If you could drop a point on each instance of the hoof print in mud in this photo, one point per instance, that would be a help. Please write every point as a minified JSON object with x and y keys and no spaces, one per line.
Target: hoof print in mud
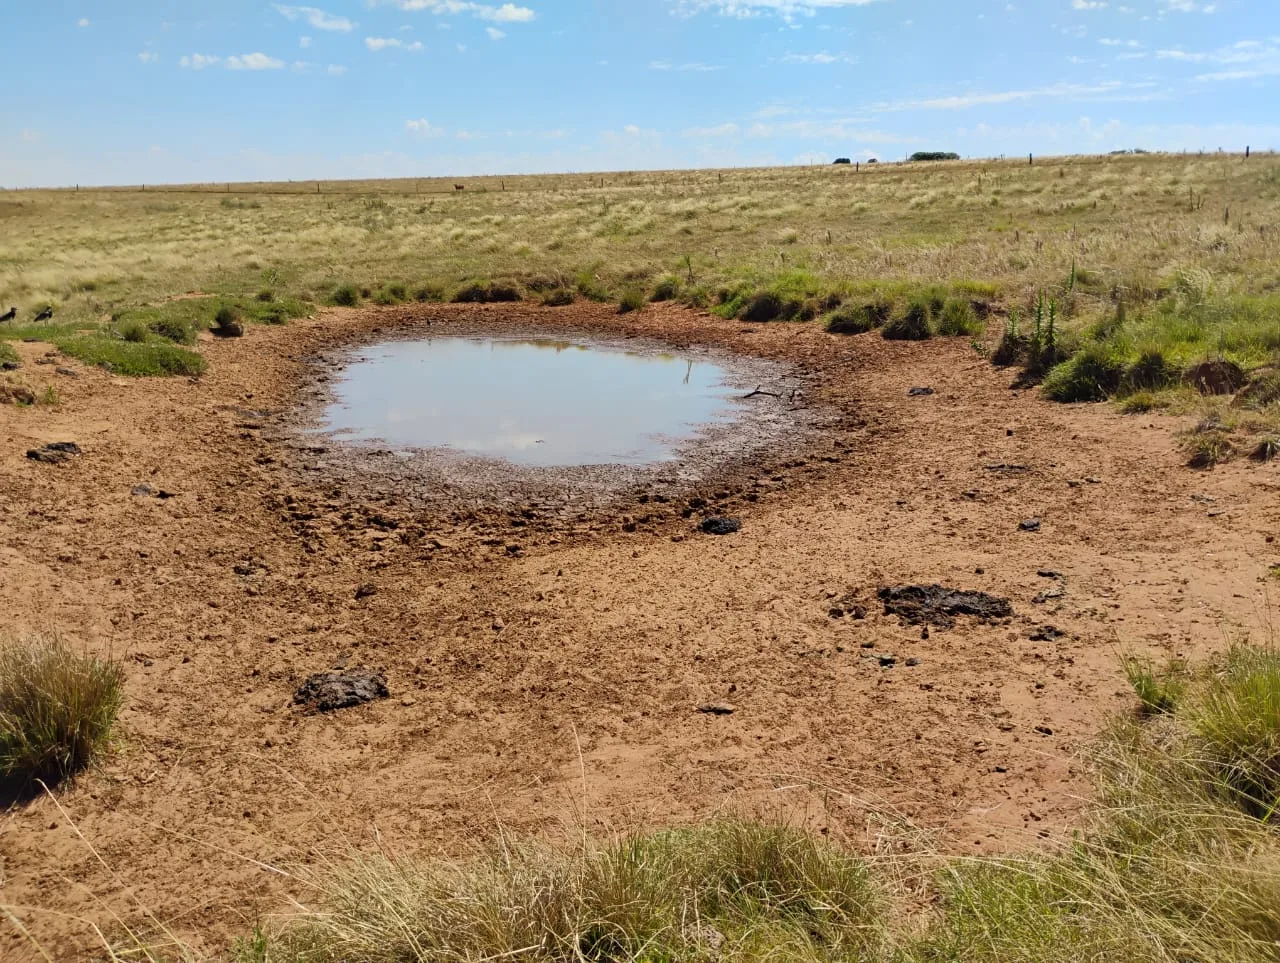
{"x":720,"y":526}
{"x":937,"y":605}
{"x":330,"y":691}
{"x":54,"y":453}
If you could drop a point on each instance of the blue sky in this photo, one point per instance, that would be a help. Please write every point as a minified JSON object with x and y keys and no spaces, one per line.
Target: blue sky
{"x":147,"y":91}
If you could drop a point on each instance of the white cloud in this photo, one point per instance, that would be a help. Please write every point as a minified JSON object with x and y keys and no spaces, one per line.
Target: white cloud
{"x":304,"y":42}
{"x":28,"y":136}
{"x":253,"y":61}
{"x":693,"y":67}
{"x":494,"y":33}
{"x":318,"y":19}
{"x":1109,"y":90}
{"x":148,"y":57}
{"x":199,"y":61}
{"x":335,"y":70}
{"x":82,"y":22}
{"x":507,"y":13}
{"x":723,"y":130}
{"x":384,"y":43}
{"x":1190,"y":6}
{"x":422,"y":128}
{"x":1112,"y":42}
{"x":787,"y":9}
{"x":818,"y":58}
{"x":1087,"y":4}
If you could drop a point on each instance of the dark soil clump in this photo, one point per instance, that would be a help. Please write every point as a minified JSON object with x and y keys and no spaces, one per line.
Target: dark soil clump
{"x":938,"y":605}
{"x":330,"y":691}
{"x":54,"y":453}
{"x":720,"y":526}
{"x":1216,"y":377}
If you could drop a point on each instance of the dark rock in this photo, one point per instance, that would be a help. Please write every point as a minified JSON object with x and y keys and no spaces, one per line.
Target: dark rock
{"x":366,"y":590}
{"x":329,"y":691}
{"x":716,"y":709}
{"x":66,"y":372}
{"x":1030,"y":525}
{"x":231,"y":329}
{"x":54,"y":453}
{"x":720,"y":526}
{"x":1007,"y":469}
{"x":912,"y":663}
{"x":858,"y":613}
{"x":920,"y":392}
{"x":1049,"y":573}
{"x":937,"y":605}
{"x":10,"y":365}
{"x":143,"y":491}
{"x":888,"y":661}
{"x":1044,"y":730}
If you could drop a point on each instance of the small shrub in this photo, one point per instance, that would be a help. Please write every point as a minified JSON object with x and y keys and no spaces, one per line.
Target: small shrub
{"x":1140,"y":403}
{"x":1268,"y":449}
{"x":266,"y":296}
{"x":591,"y":287}
{"x":366,"y":292}
{"x":769,"y":306}
{"x":958,"y":318}
{"x":667,"y":289}
{"x":934,"y":155}
{"x":632,"y":300}
{"x":394,"y":293}
{"x":226,"y":316}
{"x":424,"y":293}
{"x":1207,"y":448}
{"x":1092,"y":375}
{"x":57,"y":707}
{"x":1262,"y":391}
{"x":134,"y":331}
{"x":345,"y":295}
{"x":912,"y":325}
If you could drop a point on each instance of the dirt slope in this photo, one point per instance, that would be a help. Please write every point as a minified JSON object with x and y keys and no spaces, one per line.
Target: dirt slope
{"x":549,"y":670}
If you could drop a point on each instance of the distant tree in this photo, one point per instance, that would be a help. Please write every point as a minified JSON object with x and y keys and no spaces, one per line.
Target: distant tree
{"x":843,"y":160}
{"x":934,"y":155}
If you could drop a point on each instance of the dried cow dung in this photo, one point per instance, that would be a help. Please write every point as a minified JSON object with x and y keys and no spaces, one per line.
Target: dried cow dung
{"x":721,"y":526}
{"x":54,"y":453}
{"x":937,"y":605}
{"x":328,"y":691}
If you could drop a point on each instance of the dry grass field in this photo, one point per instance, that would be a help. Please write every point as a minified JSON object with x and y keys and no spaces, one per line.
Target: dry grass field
{"x":555,"y":776}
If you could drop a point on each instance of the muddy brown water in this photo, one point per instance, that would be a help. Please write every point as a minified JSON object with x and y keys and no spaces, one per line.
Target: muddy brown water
{"x":533,"y":402}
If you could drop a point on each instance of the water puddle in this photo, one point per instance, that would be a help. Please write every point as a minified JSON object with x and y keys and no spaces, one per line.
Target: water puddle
{"x":536,"y":403}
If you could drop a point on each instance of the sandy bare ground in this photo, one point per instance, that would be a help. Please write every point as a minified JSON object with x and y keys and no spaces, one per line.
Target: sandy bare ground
{"x":547,"y":670}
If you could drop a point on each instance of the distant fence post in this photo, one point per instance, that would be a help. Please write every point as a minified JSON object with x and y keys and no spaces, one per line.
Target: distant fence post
{"x":317,"y":187}
{"x":1031,"y":160}
{"x":1246,"y":153}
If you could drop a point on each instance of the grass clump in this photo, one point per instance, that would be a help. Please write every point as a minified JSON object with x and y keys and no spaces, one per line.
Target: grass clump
{"x":345,"y":296}
{"x":1158,"y":692}
{"x":393,"y":293}
{"x":859,"y":319}
{"x":487,"y":293}
{"x":132,"y":358}
{"x":558,"y":298}
{"x":958,"y":318}
{"x":632,"y":300}
{"x":57,"y":707}
{"x":667,"y":289}
{"x":8,"y":355}
{"x":1094,"y":374}
{"x":429,"y":293}
{"x":914,"y":324}
{"x":727,"y":889}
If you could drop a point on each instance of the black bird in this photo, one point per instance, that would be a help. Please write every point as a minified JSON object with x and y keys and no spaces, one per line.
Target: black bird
{"x":45,"y":315}
{"x":9,"y":315}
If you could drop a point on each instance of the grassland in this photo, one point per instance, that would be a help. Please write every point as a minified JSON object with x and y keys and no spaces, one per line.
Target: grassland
{"x":1154,"y":263}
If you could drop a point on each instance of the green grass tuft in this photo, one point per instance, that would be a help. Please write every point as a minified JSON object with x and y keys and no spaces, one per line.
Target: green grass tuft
{"x":958,"y":318}
{"x":914,"y":324}
{"x":1094,"y":374}
{"x":57,"y":707}
{"x":632,"y":300}
{"x":345,"y":295}
{"x":130,"y":358}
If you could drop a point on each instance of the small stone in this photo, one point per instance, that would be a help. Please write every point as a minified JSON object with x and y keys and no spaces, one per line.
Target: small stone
{"x":365,"y":590}
{"x":1002,"y":768}
{"x":888,"y":661}
{"x":1049,"y":573}
{"x":912,"y":663}
{"x":920,"y":392}
{"x":1044,"y":730}
{"x":1030,"y":525}
{"x":142,"y":491}
{"x":66,"y":372}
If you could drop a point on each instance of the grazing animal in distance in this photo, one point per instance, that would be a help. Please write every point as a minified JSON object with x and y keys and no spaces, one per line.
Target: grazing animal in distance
{"x":9,"y":315}
{"x":459,"y":187}
{"x":45,"y":315}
